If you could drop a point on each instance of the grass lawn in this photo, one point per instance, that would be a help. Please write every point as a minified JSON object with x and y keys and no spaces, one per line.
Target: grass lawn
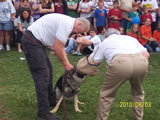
{"x":18,"y":100}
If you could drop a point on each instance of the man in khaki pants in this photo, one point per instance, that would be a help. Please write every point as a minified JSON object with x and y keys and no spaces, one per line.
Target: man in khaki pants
{"x":126,"y":60}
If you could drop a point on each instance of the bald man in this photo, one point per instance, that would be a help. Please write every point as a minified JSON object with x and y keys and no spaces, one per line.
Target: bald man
{"x":50,"y":30}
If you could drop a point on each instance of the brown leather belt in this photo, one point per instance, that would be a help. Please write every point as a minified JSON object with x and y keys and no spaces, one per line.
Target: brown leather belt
{"x":28,"y":35}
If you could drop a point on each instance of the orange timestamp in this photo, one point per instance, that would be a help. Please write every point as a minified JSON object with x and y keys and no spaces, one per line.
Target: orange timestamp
{"x":135,"y":104}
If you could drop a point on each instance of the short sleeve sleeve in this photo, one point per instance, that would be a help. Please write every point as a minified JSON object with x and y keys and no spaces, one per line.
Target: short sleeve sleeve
{"x":96,"y":40}
{"x":19,"y":20}
{"x":31,"y":21}
{"x":97,"y":54}
{"x":90,"y":3}
{"x":11,"y":7}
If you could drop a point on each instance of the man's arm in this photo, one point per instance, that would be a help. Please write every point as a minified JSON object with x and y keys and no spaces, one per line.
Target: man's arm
{"x":61,"y":54}
{"x":84,"y":41}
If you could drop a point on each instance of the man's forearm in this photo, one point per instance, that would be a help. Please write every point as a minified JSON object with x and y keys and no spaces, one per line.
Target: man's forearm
{"x":60,"y":52}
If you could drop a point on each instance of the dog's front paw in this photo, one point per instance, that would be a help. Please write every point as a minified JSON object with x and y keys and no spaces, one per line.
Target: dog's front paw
{"x":82,"y":103}
{"x":78,"y":110}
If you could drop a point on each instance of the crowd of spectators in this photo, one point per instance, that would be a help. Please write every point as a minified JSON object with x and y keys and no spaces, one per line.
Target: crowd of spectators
{"x":137,"y":18}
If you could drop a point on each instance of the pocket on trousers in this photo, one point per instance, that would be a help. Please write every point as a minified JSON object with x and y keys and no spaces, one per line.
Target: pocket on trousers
{"x":32,"y":62}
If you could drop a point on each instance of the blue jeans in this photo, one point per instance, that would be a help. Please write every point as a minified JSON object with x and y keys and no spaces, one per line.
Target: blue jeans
{"x":151,"y":46}
{"x":72,"y":45}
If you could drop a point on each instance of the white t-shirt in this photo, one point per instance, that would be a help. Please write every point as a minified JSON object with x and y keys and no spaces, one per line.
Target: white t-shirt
{"x":25,"y":24}
{"x":151,"y":4}
{"x":85,"y":5}
{"x":95,"y":40}
{"x":116,"y":44}
{"x":52,"y":26}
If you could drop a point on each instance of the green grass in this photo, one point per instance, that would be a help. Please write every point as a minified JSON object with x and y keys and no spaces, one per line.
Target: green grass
{"x":18,"y":100}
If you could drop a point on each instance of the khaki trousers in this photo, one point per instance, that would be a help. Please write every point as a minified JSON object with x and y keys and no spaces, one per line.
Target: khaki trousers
{"x":132,"y":67}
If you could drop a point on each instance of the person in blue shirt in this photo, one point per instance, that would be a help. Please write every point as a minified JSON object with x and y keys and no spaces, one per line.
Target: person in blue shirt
{"x":100,"y":17}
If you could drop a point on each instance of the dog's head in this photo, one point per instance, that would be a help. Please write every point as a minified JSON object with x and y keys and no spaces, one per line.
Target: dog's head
{"x":71,"y":82}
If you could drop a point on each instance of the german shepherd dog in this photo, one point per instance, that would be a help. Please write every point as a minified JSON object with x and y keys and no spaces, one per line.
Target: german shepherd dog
{"x":67,"y":86}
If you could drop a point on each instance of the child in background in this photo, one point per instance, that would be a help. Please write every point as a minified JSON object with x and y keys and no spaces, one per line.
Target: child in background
{"x":24,"y":20}
{"x":87,"y":44}
{"x":61,"y":6}
{"x":72,"y":45}
{"x":145,"y":15}
{"x":100,"y":16}
{"x":156,"y":33}
{"x":35,"y":9}
{"x":84,"y":9}
{"x":121,"y":30}
{"x":114,"y":16}
{"x":146,"y":36}
{"x":133,"y":14}
{"x":91,"y":41}
{"x":134,"y":31}
{"x":46,"y":7}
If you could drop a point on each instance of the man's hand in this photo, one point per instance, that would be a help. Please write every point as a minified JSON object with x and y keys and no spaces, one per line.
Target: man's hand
{"x":61,"y":54}
{"x":68,"y":67}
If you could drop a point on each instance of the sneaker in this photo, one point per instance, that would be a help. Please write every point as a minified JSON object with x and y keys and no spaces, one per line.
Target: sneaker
{"x":75,"y":53}
{"x":1,"y":47}
{"x":79,"y":53}
{"x":48,"y":116}
{"x":8,"y":48}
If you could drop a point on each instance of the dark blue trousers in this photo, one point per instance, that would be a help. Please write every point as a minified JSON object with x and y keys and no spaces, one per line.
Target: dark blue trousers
{"x":41,"y":70}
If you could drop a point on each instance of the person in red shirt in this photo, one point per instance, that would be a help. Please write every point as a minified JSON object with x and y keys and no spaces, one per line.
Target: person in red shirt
{"x":156,"y":33}
{"x":114,"y":16}
{"x":146,"y":36}
{"x":145,"y":15}
{"x":134,"y":31}
{"x":60,"y":6}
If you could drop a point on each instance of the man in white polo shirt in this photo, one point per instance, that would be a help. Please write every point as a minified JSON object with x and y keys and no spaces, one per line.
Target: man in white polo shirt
{"x":126,"y":59}
{"x":50,"y":30}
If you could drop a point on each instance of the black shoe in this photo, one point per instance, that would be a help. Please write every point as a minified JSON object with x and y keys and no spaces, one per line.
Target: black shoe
{"x":48,"y":116}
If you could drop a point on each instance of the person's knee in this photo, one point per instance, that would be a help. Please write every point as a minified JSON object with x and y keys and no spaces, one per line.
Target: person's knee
{"x":149,"y":49}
